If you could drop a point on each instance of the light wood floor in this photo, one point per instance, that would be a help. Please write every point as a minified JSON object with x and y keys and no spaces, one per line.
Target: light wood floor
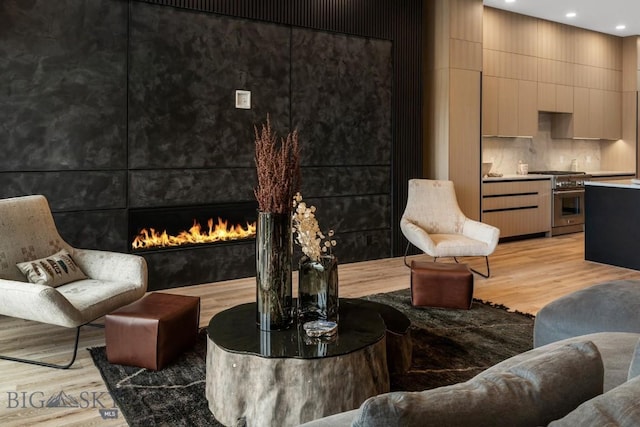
{"x":525,"y":275}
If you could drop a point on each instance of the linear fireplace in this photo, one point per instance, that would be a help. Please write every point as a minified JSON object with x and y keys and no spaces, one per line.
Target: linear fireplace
{"x":194,"y":244}
{"x":160,"y":228}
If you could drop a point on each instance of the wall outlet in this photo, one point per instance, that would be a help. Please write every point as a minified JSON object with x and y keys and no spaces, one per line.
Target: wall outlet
{"x":243,"y":99}
{"x":588,"y":159}
{"x":561,"y":159}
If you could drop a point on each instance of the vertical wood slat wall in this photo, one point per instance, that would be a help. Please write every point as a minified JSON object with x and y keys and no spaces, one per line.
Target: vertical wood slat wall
{"x":397,"y":20}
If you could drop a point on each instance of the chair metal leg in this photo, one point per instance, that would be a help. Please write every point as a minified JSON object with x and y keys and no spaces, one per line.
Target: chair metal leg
{"x":406,"y":251}
{"x":45,"y":364}
{"x":486,"y":276}
{"x":435,"y":258}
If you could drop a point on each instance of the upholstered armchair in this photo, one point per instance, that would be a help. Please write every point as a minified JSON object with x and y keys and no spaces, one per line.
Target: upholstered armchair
{"x":44,"y":279}
{"x":433,"y":222}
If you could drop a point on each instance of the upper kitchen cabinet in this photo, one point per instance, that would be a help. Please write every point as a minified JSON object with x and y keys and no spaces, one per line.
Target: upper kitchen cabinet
{"x":597,"y":114}
{"x":527,"y":108}
{"x":555,"y":98}
{"x":555,"y":67}
{"x":532,"y":65}
{"x":489,"y":105}
{"x":555,"y":84}
{"x":612,"y":115}
{"x":509,"y":107}
{"x":510,"y":74}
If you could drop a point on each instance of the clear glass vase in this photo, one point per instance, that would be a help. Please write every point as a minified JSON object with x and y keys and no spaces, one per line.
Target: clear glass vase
{"x":318,"y":289}
{"x":274,"y":254}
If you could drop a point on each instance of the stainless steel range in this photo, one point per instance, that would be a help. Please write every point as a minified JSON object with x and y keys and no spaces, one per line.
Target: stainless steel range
{"x":567,"y":205}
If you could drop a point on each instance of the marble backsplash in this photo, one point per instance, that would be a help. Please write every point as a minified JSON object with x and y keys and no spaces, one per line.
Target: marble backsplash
{"x":540,"y":152}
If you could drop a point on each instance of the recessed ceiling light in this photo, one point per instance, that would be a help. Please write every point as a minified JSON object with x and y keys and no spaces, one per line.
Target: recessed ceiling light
{"x":509,"y":1}
{"x":620,"y":27}
{"x":571,"y":15}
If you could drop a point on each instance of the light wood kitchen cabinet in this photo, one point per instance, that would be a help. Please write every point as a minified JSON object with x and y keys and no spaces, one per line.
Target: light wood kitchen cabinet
{"x":546,"y":97}
{"x":518,"y":207}
{"x":596,"y":114}
{"x":596,"y":109}
{"x":489,"y":105}
{"x":564,"y":99}
{"x":612,"y":115}
{"x":527,"y":108}
{"x":578,"y":75}
{"x":580,"y":114}
{"x":555,"y":98}
{"x":509,"y":107}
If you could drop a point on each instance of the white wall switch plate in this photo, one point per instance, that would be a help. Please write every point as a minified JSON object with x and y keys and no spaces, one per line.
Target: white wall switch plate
{"x":243,"y":99}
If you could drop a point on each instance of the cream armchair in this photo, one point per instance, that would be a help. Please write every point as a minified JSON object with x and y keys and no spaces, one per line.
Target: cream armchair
{"x":110,"y":280}
{"x":433,"y":222}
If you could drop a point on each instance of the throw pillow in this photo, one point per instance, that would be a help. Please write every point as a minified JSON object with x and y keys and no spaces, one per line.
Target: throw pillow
{"x":617,"y":407}
{"x":634,"y":369}
{"x":533,"y":392}
{"x":54,"y":270}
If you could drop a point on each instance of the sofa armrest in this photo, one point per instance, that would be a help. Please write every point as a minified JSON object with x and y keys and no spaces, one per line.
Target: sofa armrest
{"x":112,"y":266}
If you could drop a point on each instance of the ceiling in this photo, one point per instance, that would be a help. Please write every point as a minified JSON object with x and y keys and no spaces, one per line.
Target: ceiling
{"x":597,"y":15}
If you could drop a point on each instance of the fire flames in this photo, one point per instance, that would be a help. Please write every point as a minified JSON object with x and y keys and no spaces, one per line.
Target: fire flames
{"x":151,"y":238}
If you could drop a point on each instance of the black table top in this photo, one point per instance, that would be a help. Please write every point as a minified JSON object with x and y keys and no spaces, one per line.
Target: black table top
{"x":394,"y":319}
{"x":235,"y":330}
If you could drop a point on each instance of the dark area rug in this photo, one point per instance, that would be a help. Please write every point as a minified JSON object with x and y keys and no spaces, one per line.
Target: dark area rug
{"x":449,"y":346}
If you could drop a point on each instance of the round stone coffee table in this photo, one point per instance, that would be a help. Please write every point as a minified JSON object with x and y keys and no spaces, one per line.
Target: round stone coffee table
{"x":284,"y":378}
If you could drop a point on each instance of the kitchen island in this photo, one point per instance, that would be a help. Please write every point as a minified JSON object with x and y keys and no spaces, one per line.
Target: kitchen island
{"x":612,"y":226}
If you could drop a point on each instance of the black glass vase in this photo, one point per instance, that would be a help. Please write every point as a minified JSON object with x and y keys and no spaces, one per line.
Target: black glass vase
{"x":274,"y":253}
{"x":318,"y":289}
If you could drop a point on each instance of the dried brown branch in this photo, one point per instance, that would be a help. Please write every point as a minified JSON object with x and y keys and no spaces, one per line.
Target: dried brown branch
{"x":278,"y":168}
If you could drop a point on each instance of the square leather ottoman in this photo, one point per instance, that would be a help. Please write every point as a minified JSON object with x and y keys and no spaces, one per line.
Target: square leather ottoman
{"x":441,"y":285}
{"x":152,"y":331}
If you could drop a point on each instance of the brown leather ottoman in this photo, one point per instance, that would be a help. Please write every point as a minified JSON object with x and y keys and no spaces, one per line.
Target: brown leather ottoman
{"x":441,"y":285}
{"x":152,"y":331}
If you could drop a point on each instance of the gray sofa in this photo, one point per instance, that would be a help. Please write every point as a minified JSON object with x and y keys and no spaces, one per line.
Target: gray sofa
{"x":584,"y":370}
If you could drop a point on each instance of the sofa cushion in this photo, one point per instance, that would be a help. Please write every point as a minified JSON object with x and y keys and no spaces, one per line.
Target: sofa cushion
{"x":615,"y":348}
{"x":634,"y":369}
{"x":606,"y":307}
{"x":617,"y":407}
{"x":54,"y":270}
{"x":534,"y":391}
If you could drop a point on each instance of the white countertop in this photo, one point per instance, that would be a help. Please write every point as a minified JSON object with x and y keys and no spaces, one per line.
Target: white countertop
{"x":514,"y":177}
{"x":617,"y":183}
{"x":595,"y":174}
{"x":611,"y":173}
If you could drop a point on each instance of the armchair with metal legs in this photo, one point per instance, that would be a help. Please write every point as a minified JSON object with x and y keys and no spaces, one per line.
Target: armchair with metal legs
{"x":28,"y":233}
{"x":433,"y":222}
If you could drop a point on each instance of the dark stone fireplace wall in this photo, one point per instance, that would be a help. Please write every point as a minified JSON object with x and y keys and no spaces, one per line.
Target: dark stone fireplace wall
{"x":114,"y":105}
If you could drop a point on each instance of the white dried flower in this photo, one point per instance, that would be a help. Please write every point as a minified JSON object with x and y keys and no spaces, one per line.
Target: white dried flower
{"x":308,"y":234}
